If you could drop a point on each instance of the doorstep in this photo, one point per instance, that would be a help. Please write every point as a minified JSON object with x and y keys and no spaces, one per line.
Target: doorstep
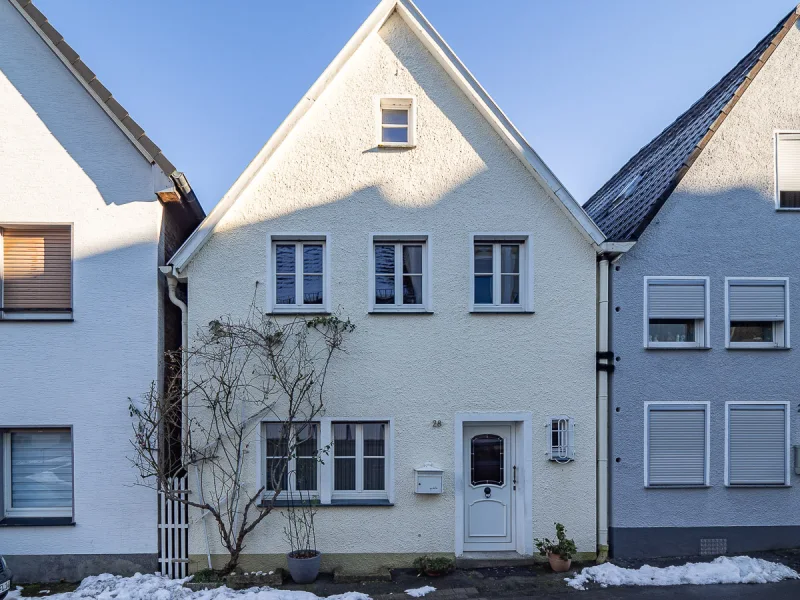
{"x":482,"y":560}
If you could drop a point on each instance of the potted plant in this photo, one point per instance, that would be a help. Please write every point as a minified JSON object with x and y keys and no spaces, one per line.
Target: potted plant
{"x":559,"y":552}
{"x":433,"y":566}
{"x":304,"y":558}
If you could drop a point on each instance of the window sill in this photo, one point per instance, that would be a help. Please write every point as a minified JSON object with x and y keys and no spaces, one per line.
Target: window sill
{"x":37,"y":320}
{"x":690,"y":348}
{"x":679,"y":486}
{"x":401,"y":145}
{"x":758,"y":485}
{"x":285,"y":502}
{"x":37,"y":522}
{"x":299,"y":311}
{"x":400,"y":311}
{"x":499,"y":310}
{"x":734,"y":346}
{"x":786,"y":209}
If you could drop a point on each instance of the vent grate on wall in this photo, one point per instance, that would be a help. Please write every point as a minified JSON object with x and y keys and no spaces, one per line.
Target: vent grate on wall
{"x":713,"y":546}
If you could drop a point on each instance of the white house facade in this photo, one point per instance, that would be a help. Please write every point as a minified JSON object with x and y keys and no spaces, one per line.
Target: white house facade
{"x":397,"y":194}
{"x":89,"y":208}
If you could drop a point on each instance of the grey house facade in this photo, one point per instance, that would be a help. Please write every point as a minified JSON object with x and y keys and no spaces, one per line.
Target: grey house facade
{"x":703,"y":409}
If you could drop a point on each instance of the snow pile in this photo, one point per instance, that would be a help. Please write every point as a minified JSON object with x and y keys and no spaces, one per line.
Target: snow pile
{"x":738,"y":569}
{"x":157,"y":587}
{"x":420,"y":592}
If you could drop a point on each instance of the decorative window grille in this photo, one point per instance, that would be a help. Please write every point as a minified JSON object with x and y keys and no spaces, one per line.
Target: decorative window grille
{"x":560,"y":435}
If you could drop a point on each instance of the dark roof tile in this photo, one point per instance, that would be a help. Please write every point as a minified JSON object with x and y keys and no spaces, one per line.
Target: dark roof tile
{"x":664,"y":161}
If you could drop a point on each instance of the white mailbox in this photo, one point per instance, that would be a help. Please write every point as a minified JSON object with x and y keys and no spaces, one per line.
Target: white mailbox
{"x":428,"y":479}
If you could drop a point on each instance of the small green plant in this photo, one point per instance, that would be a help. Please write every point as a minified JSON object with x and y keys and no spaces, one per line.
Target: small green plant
{"x":433,"y":565}
{"x":562,"y":546}
{"x":205,"y":576}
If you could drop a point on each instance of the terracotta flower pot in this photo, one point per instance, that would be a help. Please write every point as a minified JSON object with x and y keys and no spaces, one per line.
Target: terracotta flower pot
{"x":558,"y":564}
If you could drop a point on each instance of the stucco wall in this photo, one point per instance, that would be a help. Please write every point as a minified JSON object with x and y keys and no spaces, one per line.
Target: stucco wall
{"x":720,"y":221}
{"x":329,"y":177}
{"x":63,"y":160}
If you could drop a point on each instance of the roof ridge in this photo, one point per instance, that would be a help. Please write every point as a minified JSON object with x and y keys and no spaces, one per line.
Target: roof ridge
{"x":151,"y":152}
{"x":708,"y":112}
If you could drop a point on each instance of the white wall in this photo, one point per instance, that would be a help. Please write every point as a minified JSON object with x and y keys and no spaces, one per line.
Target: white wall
{"x":63,"y":160}
{"x":329,"y":177}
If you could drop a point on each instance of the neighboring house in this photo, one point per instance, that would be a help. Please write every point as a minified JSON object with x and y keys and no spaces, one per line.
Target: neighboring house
{"x":489,"y":346}
{"x":704,"y":398}
{"x":89,"y":208}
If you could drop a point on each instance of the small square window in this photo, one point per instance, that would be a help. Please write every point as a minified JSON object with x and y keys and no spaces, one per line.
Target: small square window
{"x":560,"y":434}
{"x":676,"y":313}
{"x":299,"y":281}
{"x":397,"y":122}
{"x":37,"y":473}
{"x":500,"y":274}
{"x":756,"y":313}
{"x":400,"y":271}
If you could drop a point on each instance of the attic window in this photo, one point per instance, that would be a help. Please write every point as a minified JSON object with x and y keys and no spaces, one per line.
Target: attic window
{"x":788,"y":170}
{"x":627,"y":191}
{"x":397,"y":122}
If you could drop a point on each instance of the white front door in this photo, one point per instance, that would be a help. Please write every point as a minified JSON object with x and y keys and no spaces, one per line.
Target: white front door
{"x":489,"y":487}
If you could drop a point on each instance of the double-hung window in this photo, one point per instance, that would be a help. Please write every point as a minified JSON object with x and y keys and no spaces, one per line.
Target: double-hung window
{"x":676,"y":312}
{"x":36,"y":272}
{"x":676,"y":444}
{"x":299,"y":278}
{"x":397,"y":122}
{"x":359,"y":460}
{"x":37,"y":473}
{"x":400,"y":280}
{"x":292,"y":461}
{"x":757,"y":312}
{"x":501,"y":273}
{"x":787,"y":170}
{"x":757,"y":436}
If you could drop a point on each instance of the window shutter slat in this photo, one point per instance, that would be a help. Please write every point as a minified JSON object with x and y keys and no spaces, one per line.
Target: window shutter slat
{"x":757,"y":445}
{"x":757,"y":302}
{"x":37,"y":267}
{"x":676,"y":300}
{"x":788,"y":162}
{"x":676,"y":446}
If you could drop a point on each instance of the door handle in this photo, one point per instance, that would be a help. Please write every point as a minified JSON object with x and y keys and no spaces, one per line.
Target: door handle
{"x":514,"y":480}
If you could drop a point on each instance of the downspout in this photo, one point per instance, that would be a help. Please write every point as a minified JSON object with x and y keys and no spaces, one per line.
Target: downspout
{"x":172,"y":285}
{"x":604,"y":366}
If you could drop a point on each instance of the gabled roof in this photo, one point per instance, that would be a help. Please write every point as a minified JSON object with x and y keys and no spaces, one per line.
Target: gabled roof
{"x":626,"y":204}
{"x":445,"y":56}
{"x":108,"y":103}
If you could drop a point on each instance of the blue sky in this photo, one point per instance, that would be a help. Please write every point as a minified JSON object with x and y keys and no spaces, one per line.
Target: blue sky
{"x":588,"y":82}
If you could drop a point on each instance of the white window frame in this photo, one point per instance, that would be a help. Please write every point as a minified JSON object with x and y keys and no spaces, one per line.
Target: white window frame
{"x":526,"y":272}
{"x":32,"y":513}
{"x":780,"y":330}
{"x":298,"y":238}
{"x":399,"y":239}
{"x":570,"y":442}
{"x":396,"y":102}
{"x":776,"y":135}
{"x":37,"y":315}
{"x":706,"y":405}
{"x":291,"y":467}
{"x":359,"y":493}
{"x":702,"y":327}
{"x":787,"y":456}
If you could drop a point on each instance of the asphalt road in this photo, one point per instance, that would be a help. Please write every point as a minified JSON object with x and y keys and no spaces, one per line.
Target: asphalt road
{"x":784,"y":590}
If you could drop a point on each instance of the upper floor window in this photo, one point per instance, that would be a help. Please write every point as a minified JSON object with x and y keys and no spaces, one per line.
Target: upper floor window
{"x":36,"y":271}
{"x":787,"y":169}
{"x":397,"y":121}
{"x":400,"y":274}
{"x":299,"y":274}
{"x":756,"y":312}
{"x":501,"y":273}
{"x":676,"y":312}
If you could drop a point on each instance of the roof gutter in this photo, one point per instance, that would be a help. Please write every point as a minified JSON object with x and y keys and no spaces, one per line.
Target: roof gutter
{"x":188,"y":196}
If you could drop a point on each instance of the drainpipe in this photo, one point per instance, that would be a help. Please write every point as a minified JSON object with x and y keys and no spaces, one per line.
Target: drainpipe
{"x":603,"y":371}
{"x":172,"y":283}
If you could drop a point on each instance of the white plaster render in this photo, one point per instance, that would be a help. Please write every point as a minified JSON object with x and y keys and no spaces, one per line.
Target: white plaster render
{"x":63,"y":160}
{"x":719,"y":222}
{"x":328,"y":176}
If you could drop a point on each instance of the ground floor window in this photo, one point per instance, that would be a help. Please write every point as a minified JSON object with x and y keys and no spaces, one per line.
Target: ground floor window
{"x":37,"y":473}
{"x":676,"y":444}
{"x":291,"y":463}
{"x":359,"y":457}
{"x":757,"y":438}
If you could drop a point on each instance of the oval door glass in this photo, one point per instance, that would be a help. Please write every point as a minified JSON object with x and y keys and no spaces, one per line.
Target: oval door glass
{"x":487,"y":460}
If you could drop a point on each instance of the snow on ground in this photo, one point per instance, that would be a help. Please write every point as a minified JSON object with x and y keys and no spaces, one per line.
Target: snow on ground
{"x":156,"y":587}
{"x":420,"y":592}
{"x":737,"y":569}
